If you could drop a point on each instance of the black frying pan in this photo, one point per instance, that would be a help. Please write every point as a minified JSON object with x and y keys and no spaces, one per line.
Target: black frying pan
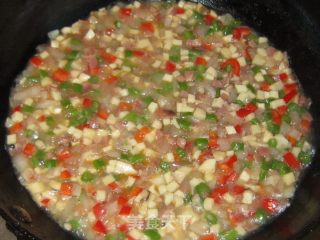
{"x":292,"y":25}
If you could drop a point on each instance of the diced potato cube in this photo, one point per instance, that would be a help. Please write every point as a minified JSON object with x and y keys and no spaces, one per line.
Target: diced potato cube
{"x":101,"y":195}
{"x":36,"y":187}
{"x":230,"y":130}
{"x":172,"y":186}
{"x":244,"y":176}
{"x":11,"y":139}
{"x":162,"y":189}
{"x":168,"y":198}
{"x":289,"y":178}
{"x":247,"y":197}
{"x":108,"y":179}
{"x":177,"y":201}
{"x":208,"y":166}
{"x":152,"y":107}
{"x":181,"y":173}
{"x":208,"y":204}
{"x":199,"y":114}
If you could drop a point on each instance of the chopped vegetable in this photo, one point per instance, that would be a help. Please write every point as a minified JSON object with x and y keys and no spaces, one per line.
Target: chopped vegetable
{"x":99,"y":227}
{"x":261,"y":215}
{"x":305,"y":157}
{"x":270,"y":204}
{"x":174,"y":54}
{"x":87,"y":177}
{"x":66,"y":189}
{"x":201,"y":143}
{"x":152,"y":234}
{"x":211,"y":218}
{"x":291,"y":160}
{"x":234,"y":64}
{"x":202,"y":189}
{"x":229,"y":235}
{"x":99,"y":164}
{"x":165,"y":166}
{"x":237,"y":146}
{"x":60,"y":75}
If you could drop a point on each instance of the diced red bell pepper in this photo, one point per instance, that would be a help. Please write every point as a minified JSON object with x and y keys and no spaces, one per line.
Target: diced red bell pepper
{"x":208,"y":19}
{"x":213,"y":140}
{"x":292,"y":140}
{"x":283,"y":77}
{"x":234,"y":64}
{"x":237,"y":189}
{"x":124,"y":106}
{"x":113,"y":185}
{"x":64,"y":155}
{"x":170,"y":67}
{"x":200,"y":61}
{"x":217,"y":193}
{"x":236,"y":218}
{"x":125,"y":12}
{"x":246,"y":110}
{"x":204,"y":155}
{"x":291,"y":160}
{"x":29,"y":149}
{"x":111,"y":79}
{"x":135,"y":191}
{"x":207,"y":46}
{"x":16,"y":109}
{"x":65,"y":174}
{"x":229,"y":178}
{"x":282,"y":109}
{"x":103,"y":114}
{"x":179,"y":10}
{"x":42,"y":118}
{"x":99,"y":227}
{"x":290,"y":87}
{"x":276,"y":116}
{"x":264,"y":86}
{"x":223,"y":167}
{"x":125,"y":210}
{"x":109,"y":31}
{"x":231,"y":161}
{"x":16,"y":128}
{"x":238,"y":128}
{"x":147,"y":27}
{"x":123,"y":228}
{"x":83,"y":126}
{"x":287,"y":98}
{"x":141,"y":133}
{"x":108,"y":57}
{"x":36,"y":61}
{"x":66,"y":189}
{"x":241,"y":32}
{"x":189,"y":146}
{"x":45,"y":202}
{"x":99,"y":210}
{"x":278,"y":113}
{"x":246,"y":54}
{"x":208,"y":237}
{"x":138,"y":53}
{"x":122,"y":200}
{"x":60,"y":75}
{"x":270,"y":204}
{"x":93,"y":70}
{"x":305,"y":123}
{"x":87,"y":102}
